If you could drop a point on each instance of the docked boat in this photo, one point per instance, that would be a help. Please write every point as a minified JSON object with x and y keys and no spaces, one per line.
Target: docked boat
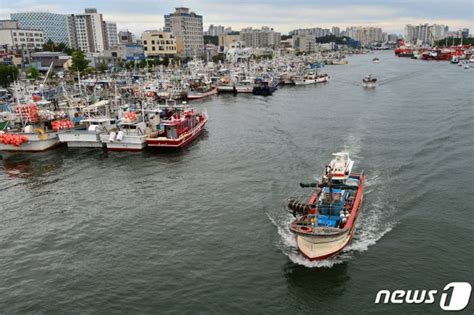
{"x":369,"y":81}
{"x":30,"y":128}
{"x":322,"y":77}
{"x":307,"y":79}
{"x":87,"y":135}
{"x":264,"y":87}
{"x":129,"y":136}
{"x":325,"y":223}
{"x":226,"y":85}
{"x":179,"y":130}
{"x":201,"y":92}
{"x":244,"y":86}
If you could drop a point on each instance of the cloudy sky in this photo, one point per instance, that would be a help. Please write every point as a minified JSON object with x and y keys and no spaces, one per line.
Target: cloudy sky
{"x":283,"y":15}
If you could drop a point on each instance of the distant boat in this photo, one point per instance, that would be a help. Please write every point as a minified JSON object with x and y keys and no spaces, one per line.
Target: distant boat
{"x":369,"y":81}
{"x":376,"y":60}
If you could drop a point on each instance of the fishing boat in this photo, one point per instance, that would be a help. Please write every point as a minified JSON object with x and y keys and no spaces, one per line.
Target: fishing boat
{"x":325,"y":223}
{"x":201,"y":92}
{"x":179,"y":130}
{"x":130,"y":134}
{"x":244,"y":86}
{"x":226,"y":85}
{"x":322,"y":77}
{"x":264,"y":87}
{"x":376,"y":60}
{"x":31,"y":128}
{"x":307,"y":79}
{"x":87,"y":135}
{"x":369,"y":81}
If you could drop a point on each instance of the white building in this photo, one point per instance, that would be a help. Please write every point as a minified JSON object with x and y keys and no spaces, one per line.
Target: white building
{"x":366,"y":34}
{"x":15,"y":37}
{"x":304,"y":42}
{"x":89,"y":31}
{"x":111,"y":34}
{"x":409,"y":34}
{"x":215,"y":30}
{"x":260,"y":38}
{"x":187,"y":29}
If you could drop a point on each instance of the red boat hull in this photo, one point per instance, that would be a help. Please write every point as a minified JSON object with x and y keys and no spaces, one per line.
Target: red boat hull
{"x":179,"y":143}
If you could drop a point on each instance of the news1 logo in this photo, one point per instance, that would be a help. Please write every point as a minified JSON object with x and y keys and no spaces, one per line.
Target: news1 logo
{"x":454,"y":297}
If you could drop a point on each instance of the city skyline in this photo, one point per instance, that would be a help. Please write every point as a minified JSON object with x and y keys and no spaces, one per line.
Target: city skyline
{"x":283,"y":16}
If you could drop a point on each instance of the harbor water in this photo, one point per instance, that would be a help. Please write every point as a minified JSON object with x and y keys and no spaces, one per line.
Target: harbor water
{"x":205,"y":229}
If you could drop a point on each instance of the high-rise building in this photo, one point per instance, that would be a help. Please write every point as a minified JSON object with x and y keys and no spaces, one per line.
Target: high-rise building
{"x":259,"y":38}
{"x":187,"y":29}
{"x":126,"y":37}
{"x":365,"y":35}
{"x":55,"y":26}
{"x":215,"y":30}
{"x":304,"y":42}
{"x":335,"y":31}
{"x":316,"y":31}
{"x":14,"y":37}
{"x":88,"y":31}
{"x":409,"y":33}
{"x":158,"y":44}
{"x":111,"y":34}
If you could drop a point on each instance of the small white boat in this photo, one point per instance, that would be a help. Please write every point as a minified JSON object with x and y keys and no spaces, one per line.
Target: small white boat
{"x":369,"y":81}
{"x":307,"y":79}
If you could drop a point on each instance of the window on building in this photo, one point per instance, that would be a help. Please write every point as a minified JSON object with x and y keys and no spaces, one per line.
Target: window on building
{"x":145,"y":48}
{"x":153,"y":48}
{"x":153,"y":42}
{"x":144,"y":42}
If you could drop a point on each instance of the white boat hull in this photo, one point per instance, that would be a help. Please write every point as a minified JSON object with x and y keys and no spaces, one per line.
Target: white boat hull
{"x":34,"y":144}
{"x":244,"y":89}
{"x":369,"y":85}
{"x":80,"y":139}
{"x":304,"y":82}
{"x":226,"y":88}
{"x":128,"y":143}
{"x":317,"y":248}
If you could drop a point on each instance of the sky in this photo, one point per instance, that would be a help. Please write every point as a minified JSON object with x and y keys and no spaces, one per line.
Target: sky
{"x":282,"y":15}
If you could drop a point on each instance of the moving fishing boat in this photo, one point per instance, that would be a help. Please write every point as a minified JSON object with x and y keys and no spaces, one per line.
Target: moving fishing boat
{"x":369,"y":81}
{"x":325,"y":223}
{"x":179,"y":130}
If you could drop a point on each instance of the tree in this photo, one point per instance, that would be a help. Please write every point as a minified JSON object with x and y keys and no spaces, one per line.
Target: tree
{"x":8,"y":74}
{"x":102,"y":67}
{"x":32,"y":73}
{"x":79,"y":62}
